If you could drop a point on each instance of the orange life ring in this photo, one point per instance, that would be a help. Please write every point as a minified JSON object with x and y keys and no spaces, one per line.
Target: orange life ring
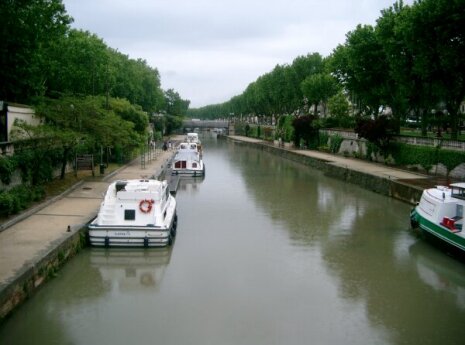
{"x":145,"y":206}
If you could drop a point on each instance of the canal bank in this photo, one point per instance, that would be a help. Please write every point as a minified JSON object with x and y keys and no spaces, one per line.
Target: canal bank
{"x":396,"y":183}
{"x":34,"y":246}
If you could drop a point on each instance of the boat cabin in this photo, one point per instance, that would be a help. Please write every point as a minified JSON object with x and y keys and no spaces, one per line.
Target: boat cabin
{"x":458,"y":190}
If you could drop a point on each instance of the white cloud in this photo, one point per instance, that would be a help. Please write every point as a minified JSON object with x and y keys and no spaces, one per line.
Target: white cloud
{"x":210,"y":50}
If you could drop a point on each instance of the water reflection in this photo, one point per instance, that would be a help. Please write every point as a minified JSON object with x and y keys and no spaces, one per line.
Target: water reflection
{"x":127,"y":270}
{"x":440,"y":272}
{"x":190,"y":184}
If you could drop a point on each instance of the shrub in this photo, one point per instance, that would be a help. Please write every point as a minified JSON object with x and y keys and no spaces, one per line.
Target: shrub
{"x":284,"y":129}
{"x":19,"y":198}
{"x":405,"y":154}
{"x":378,"y":131}
{"x":306,"y":130}
{"x":7,"y":167}
{"x":335,"y":143}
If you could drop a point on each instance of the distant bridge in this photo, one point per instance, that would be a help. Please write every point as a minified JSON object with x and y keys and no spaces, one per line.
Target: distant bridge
{"x":205,"y":124}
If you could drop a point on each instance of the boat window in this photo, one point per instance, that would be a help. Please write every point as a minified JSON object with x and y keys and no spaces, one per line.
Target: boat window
{"x":458,"y":193}
{"x":129,"y":214}
{"x":164,"y":215}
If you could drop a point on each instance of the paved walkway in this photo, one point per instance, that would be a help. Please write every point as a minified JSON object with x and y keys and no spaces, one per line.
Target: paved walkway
{"x":28,"y":241}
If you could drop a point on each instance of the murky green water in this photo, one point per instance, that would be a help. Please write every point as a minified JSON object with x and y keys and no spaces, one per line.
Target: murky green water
{"x":267,"y":252}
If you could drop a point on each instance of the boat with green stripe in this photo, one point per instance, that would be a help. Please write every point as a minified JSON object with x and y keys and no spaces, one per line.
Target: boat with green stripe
{"x":440,"y":212}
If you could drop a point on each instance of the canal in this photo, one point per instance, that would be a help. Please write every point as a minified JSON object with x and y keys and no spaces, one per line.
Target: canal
{"x":267,"y":252}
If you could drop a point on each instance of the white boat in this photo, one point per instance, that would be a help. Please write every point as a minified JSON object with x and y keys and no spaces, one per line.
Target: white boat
{"x":440,"y":212}
{"x":188,"y":161}
{"x":194,"y":138}
{"x":135,"y":213}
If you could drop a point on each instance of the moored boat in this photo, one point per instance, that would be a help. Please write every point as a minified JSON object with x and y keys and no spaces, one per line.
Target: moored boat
{"x":440,"y":213}
{"x":135,"y":213}
{"x":194,"y":138}
{"x":188,"y":161}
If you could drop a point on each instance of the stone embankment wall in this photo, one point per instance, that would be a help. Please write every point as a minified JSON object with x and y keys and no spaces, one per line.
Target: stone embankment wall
{"x":384,"y":186}
{"x":35,"y":275}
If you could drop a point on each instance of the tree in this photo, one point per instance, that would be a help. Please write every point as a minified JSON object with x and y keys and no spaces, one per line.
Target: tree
{"x":396,"y":83}
{"x":28,"y":27}
{"x":318,"y":88}
{"x":175,"y":105}
{"x":338,"y":107}
{"x":51,"y":137}
{"x":360,"y":66}
{"x":96,"y":125}
{"x":441,"y":52}
{"x":79,"y":64}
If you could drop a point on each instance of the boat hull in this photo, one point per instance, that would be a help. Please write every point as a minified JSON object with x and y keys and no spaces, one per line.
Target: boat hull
{"x":188,"y":172}
{"x":137,"y":236}
{"x":437,"y":230}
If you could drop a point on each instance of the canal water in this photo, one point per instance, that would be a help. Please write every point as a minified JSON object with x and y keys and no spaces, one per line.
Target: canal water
{"x":267,"y":252}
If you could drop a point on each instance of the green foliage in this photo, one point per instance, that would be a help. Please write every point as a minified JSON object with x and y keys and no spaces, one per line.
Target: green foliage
{"x":19,"y":198}
{"x":372,"y":149}
{"x":247,"y":129}
{"x":174,"y":105}
{"x":130,"y":113}
{"x":324,"y":140}
{"x":318,"y":88}
{"x":172,"y":124}
{"x":7,"y":167}
{"x":28,"y":28}
{"x":253,"y":133}
{"x":405,"y":154}
{"x":285,"y":129}
{"x":37,"y":163}
{"x":338,"y":107}
{"x":335,"y":143}
{"x":93,"y":124}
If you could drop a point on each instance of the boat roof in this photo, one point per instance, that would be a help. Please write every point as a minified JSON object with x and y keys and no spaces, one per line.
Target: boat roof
{"x":142,"y":185}
{"x":187,"y":147}
{"x":447,"y":193}
{"x":183,"y":155}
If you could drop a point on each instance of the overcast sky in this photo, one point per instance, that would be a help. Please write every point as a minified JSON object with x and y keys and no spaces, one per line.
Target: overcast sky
{"x":210,"y":50}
